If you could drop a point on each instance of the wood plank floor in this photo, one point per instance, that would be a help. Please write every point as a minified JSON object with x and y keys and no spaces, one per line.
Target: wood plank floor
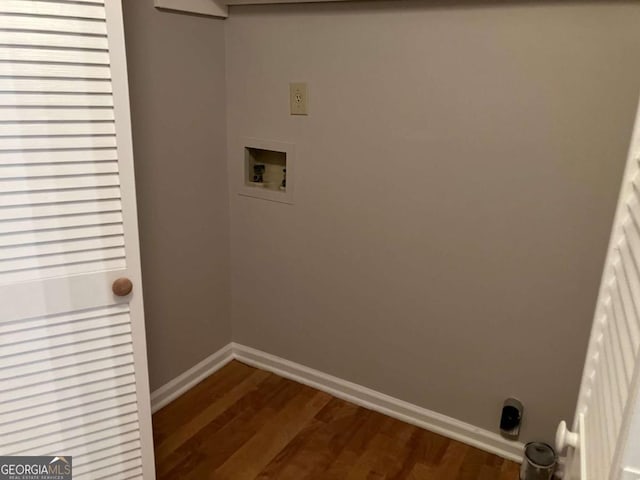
{"x":243,"y":423}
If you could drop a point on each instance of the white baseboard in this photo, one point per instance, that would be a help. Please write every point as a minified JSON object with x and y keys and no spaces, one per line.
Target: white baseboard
{"x":365,"y":397}
{"x":351,"y":392}
{"x":189,"y":379}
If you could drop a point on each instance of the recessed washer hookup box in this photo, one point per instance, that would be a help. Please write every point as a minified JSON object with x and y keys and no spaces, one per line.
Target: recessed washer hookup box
{"x":35,"y":468}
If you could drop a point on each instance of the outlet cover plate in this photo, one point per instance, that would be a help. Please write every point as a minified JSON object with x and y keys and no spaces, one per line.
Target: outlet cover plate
{"x":298,"y":98}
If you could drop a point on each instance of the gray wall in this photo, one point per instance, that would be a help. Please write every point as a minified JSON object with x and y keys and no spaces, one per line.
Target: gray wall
{"x":456,"y":182}
{"x":177,"y":81}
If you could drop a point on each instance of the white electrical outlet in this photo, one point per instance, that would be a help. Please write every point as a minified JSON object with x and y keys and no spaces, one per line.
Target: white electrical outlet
{"x":298,"y":99}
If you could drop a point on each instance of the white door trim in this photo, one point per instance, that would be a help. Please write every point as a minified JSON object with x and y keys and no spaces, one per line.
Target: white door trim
{"x":120,"y":86}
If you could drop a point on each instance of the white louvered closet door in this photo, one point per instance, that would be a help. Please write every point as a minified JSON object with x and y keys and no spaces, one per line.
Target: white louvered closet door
{"x":73,"y":369}
{"x":602,"y":445}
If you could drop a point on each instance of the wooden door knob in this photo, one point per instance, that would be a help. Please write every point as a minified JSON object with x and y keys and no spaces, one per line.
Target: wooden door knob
{"x":122,"y":287}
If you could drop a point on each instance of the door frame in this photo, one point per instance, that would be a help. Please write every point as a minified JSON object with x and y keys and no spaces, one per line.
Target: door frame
{"x":120,"y":86}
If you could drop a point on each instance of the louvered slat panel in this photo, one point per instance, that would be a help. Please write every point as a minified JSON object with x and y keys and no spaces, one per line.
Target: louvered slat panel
{"x":614,"y":398}
{"x":118,"y":347}
{"x":60,"y":208}
{"x":76,"y":181}
{"x":64,"y":333}
{"x":52,"y":40}
{"x":61,"y":240}
{"x":633,"y":245}
{"x":103,"y":427}
{"x":632,"y":283}
{"x":35,"y":251}
{"x":73,"y":425}
{"x":31,"y":268}
{"x":117,"y":471}
{"x":52,"y":421}
{"x":633,"y":241}
{"x":52,"y":343}
{"x":38,"y":237}
{"x":56,"y":364}
{"x":609,"y":399}
{"x":595,"y":457}
{"x":118,"y":338}
{"x":602,"y":447}
{"x":133,"y":474}
{"x":96,"y":422}
{"x":56,"y":170}
{"x":39,"y":322}
{"x":30,"y":224}
{"x":37,"y":380}
{"x":120,"y":467}
{"x":74,"y":395}
{"x":52,"y":143}
{"x":122,"y":454}
{"x":606,"y":381}
{"x":96,"y":2}
{"x":635,"y":178}
{"x":23,"y":54}
{"x":17,"y":69}
{"x":79,"y":402}
{"x":106,"y":449}
{"x":54,"y":129}
{"x":623,"y":373}
{"x":101,"y":460}
{"x":74,"y":85}
{"x":126,"y":440}
{"x":11,"y":114}
{"x":51,"y":8}
{"x":608,"y":434}
{"x":80,"y":155}
{"x":27,"y":374}
{"x":616,"y":367}
{"x":97,"y":440}
{"x":67,"y":269}
{"x":54,"y":100}
{"x":130,"y":473}
{"x":626,"y":346}
{"x":618,"y":322}
{"x":52,"y":24}
{"x":92,"y":2}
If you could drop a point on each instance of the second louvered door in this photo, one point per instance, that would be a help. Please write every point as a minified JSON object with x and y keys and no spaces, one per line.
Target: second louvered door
{"x":73,"y":369}
{"x":610,"y":388}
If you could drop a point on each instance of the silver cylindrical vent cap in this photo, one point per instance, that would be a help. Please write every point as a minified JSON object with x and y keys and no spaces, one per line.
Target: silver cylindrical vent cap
{"x":539,"y":462}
